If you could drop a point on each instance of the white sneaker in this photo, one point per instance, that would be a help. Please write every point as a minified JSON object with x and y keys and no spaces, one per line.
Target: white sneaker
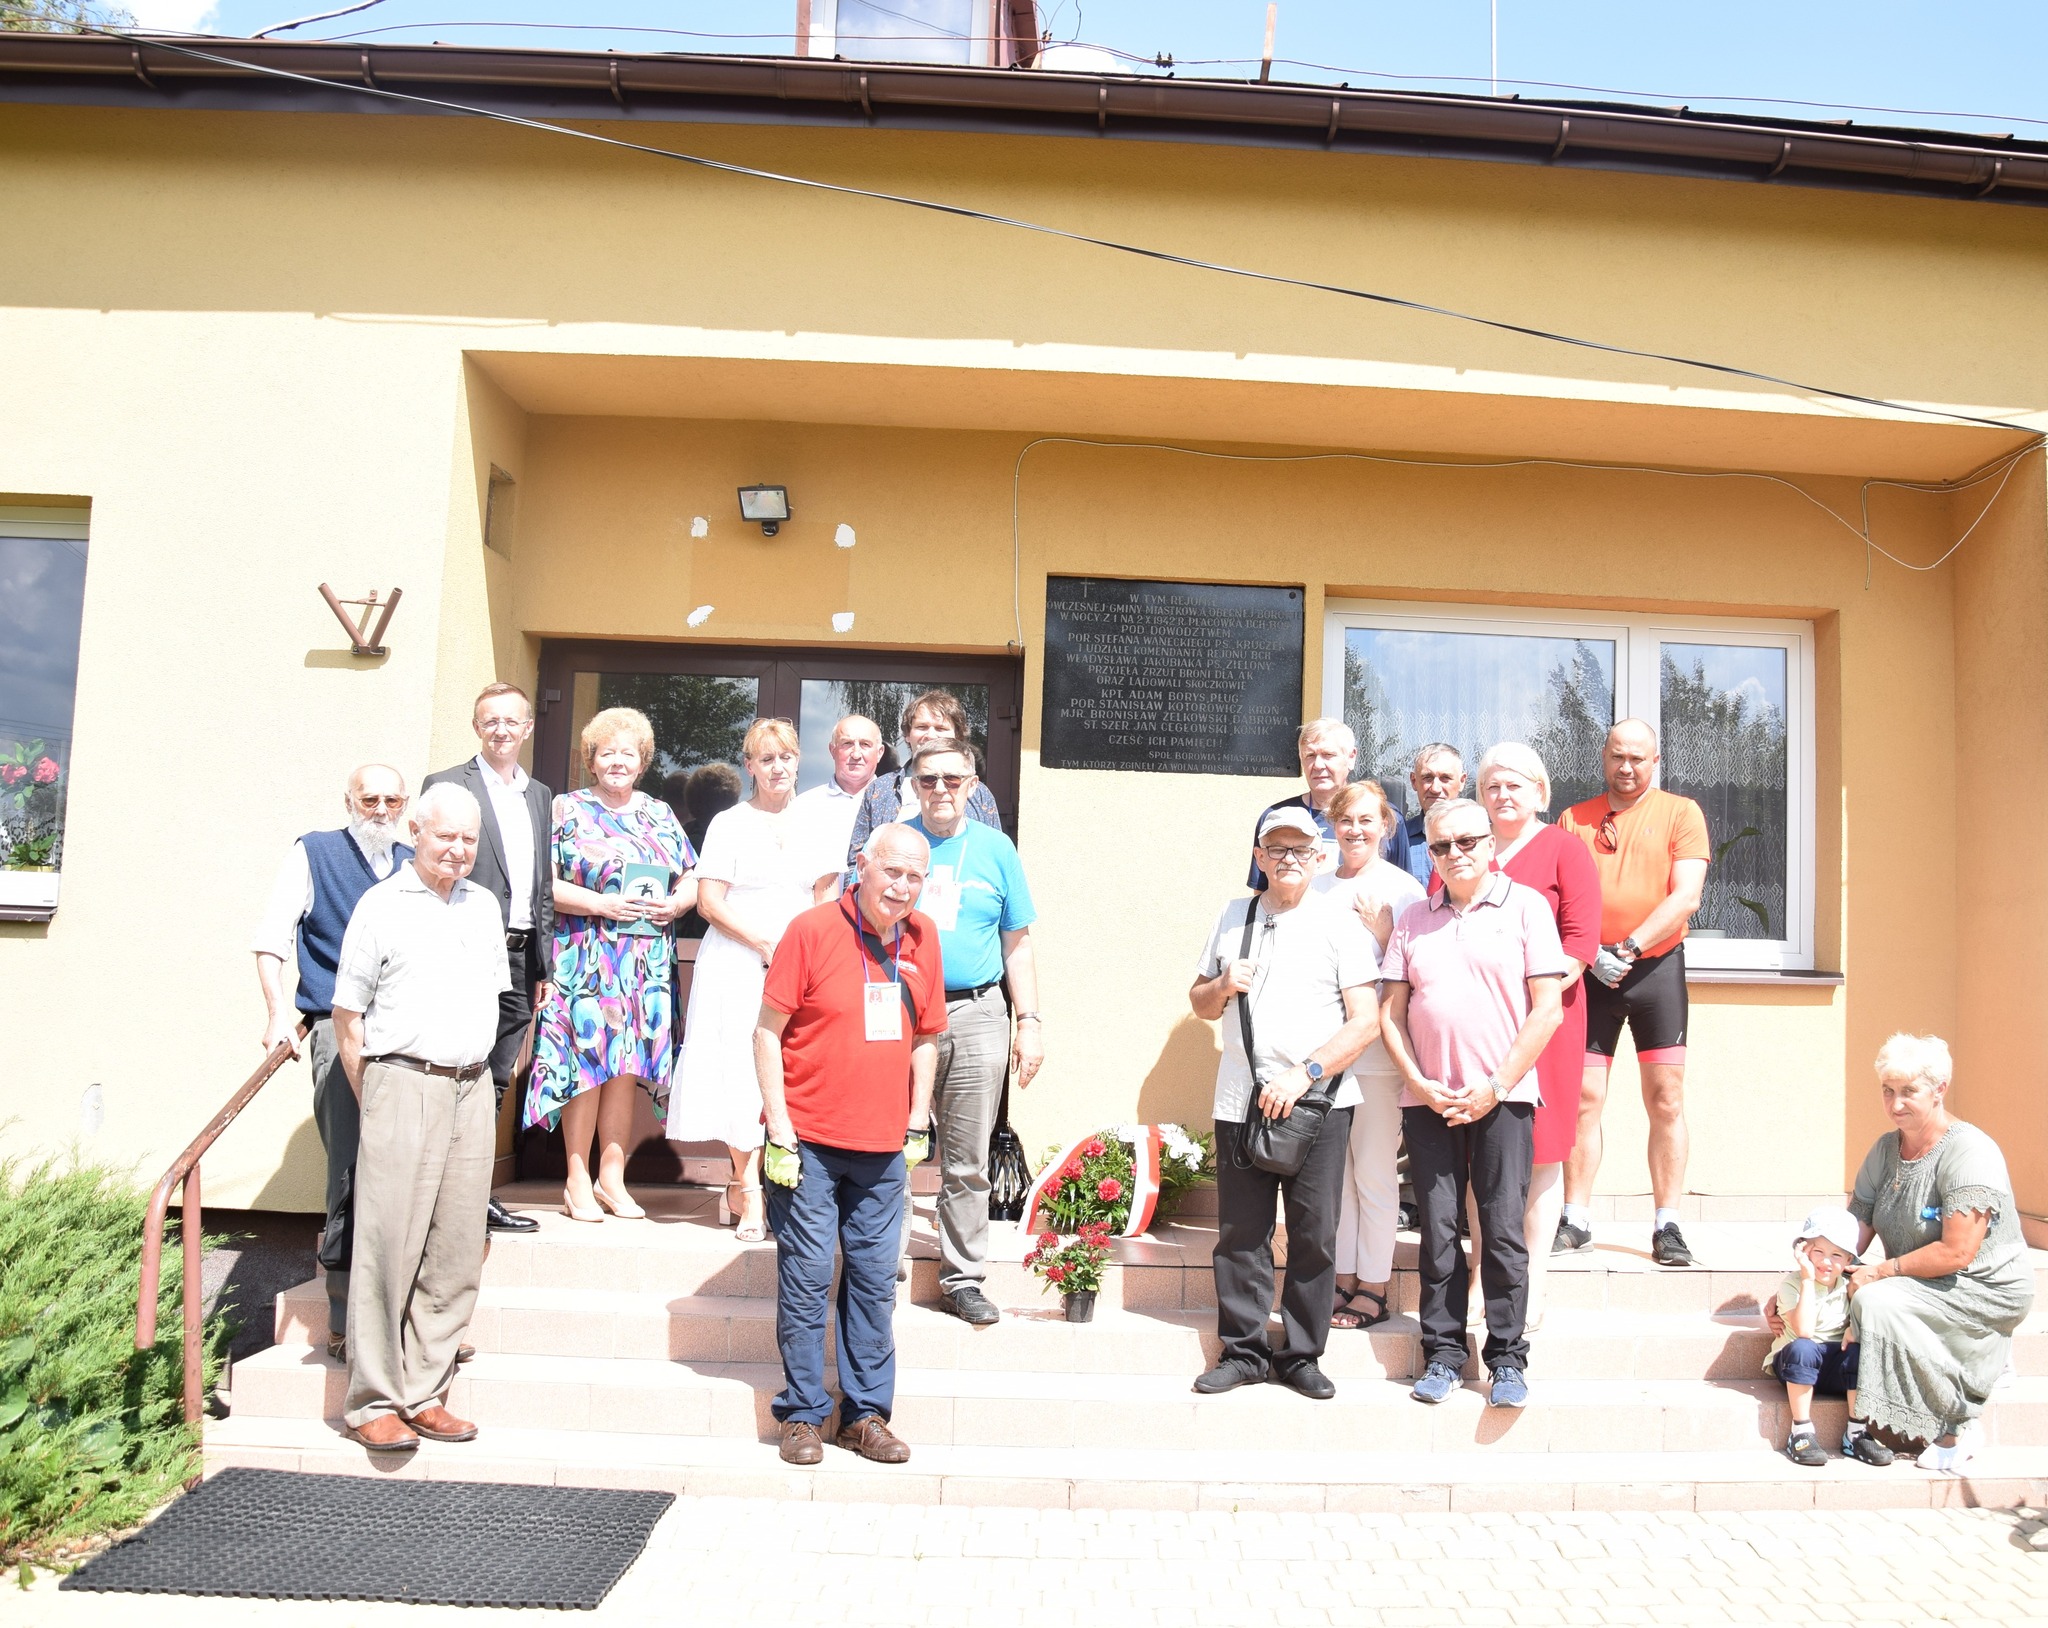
{"x":1952,"y":1460}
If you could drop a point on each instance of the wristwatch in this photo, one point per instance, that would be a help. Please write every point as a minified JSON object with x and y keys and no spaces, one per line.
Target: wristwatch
{"x":1629,"y":947}
{"x":1029,"y":1017}
{"x":1314,"y":1071}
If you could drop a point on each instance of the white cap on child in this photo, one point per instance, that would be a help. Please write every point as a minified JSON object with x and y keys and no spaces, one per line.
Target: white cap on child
{"x":1836,"y":1225}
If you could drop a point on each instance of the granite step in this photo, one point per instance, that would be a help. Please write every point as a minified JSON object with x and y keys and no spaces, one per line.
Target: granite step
{"x":1152,"y":1477}
{"x":1010,"y":1408}
{"x":1572,"y":1344}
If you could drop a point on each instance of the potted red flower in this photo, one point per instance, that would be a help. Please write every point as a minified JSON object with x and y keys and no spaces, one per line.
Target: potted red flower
{"x":1073,"y":1265}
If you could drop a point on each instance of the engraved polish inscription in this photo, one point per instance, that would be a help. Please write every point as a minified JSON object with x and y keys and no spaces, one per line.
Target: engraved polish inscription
{"x":1171,"y":677}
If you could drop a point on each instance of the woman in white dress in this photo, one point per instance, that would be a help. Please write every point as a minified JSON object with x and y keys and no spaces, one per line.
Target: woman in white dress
{"x":759,"y":865}
{"x":1371,"y":1193}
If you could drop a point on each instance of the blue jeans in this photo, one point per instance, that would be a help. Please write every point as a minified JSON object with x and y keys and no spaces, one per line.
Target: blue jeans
{"x":1829,"y":1368}
{"x":852,"y":1202}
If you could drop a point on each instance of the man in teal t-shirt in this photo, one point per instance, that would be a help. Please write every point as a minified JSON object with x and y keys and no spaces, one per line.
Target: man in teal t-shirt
{"x":975,"y":891}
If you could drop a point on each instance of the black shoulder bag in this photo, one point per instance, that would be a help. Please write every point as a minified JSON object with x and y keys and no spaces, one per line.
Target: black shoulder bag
{"x":1279,"y":1146}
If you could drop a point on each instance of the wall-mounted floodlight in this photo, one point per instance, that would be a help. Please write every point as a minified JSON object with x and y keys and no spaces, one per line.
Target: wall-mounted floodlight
{"x":767,"y":505}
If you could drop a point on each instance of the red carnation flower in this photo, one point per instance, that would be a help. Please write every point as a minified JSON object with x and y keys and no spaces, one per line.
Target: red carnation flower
{"x":1072,"y":1171}
{"x":13,"y":773}
{"x":1109,"y":1189}
{"x":45,"y":772}
{"x":1094,"y":1147}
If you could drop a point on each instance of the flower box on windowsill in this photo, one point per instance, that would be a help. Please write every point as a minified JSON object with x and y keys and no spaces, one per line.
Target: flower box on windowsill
{"x":28,"y":895}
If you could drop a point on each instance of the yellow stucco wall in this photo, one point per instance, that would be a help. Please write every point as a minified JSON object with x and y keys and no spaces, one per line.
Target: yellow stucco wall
{"x":273,"y":351}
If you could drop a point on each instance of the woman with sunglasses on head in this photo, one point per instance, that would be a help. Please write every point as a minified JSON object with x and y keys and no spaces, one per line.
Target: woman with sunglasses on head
{"x":1378,"y":890}
{"x":760,"y":864}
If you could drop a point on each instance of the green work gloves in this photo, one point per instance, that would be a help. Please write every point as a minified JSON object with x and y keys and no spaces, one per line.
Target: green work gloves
{"x":781,"y":1165}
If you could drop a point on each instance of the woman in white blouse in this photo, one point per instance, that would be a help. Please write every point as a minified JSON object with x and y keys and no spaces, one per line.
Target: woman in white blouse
{"x":1371,"y":1192}
{"x":759,"y":865}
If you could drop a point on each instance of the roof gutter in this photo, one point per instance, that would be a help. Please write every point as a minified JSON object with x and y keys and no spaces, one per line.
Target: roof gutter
{"x":91,"y":70}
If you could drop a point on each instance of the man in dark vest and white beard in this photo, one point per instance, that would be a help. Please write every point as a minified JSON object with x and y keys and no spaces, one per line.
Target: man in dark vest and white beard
{"x":315,"y":894}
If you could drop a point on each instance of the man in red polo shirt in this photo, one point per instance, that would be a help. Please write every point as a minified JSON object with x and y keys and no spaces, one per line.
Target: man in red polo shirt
{"x":845,"y":1050}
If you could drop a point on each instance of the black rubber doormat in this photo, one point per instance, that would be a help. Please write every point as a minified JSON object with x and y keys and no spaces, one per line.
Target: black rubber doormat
{"x":280,"y":1535}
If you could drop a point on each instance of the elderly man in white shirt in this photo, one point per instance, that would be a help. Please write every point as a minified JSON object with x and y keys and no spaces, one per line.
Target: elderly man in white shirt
{"x":828,"y":811}
{"x":515,"y":864}
{"x":316,"y":892}
{"x":415,"y":1016}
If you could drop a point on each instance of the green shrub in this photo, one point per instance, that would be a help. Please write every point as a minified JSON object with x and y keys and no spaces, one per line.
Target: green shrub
{"x":92,"y":1431}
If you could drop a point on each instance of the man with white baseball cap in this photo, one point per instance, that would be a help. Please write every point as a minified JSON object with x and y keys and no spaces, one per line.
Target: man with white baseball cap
{"x":1815,"y":1352}
{"x":1294,"y":977}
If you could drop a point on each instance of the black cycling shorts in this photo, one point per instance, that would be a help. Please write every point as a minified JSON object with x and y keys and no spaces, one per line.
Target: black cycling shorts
{"x":1651,"y":1002}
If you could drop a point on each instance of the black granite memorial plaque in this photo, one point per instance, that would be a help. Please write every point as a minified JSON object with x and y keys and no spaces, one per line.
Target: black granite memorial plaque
{"x":1171,"y":677}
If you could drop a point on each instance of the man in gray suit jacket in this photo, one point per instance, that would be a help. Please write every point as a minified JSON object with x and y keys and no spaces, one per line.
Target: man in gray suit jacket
{"x":514,"y":864}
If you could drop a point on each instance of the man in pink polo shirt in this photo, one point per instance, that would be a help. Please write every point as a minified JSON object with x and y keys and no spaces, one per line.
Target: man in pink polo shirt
{"x":1474,"y":989}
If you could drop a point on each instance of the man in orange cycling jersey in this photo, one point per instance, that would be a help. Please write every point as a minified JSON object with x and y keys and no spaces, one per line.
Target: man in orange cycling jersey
{"x":1650,"y":849}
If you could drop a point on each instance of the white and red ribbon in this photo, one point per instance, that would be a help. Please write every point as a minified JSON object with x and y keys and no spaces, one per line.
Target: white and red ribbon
{"x":1144,"y":1187}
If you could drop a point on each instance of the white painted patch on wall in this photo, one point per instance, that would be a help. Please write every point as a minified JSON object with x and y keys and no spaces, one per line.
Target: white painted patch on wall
{"x":92,"y":1111}
{"x":842,"y":621}
{"x":699,"y":616}
{"x":700,"y":527}
{"x":844,"y":535}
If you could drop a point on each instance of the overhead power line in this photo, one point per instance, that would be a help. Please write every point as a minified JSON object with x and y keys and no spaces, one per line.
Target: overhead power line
{"x":1139,"y":251}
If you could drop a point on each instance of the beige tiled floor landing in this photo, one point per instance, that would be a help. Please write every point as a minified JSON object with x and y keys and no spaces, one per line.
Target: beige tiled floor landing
{"x":643,"y":1353}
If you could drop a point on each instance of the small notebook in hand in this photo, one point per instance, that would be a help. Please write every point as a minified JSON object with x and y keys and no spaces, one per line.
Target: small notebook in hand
{"x":649,"y":882}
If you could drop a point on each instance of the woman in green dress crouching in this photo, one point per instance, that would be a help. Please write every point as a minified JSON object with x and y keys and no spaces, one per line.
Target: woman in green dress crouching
{"x":1936,"y":1316}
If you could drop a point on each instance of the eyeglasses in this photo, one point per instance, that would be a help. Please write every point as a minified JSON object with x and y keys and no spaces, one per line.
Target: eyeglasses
{"x":932,"y":782}
{"x":1608,"y":838}
{"x":1300,"y":856}
{"x":1464,"y":845}
{"x":364,"y":800}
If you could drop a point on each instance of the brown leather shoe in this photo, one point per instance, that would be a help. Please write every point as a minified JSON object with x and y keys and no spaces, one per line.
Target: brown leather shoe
{"x":801,"y":1443}
{"x":871,"y":1438}
{"x":436,"y":1423}
{"x":387,"y":1433}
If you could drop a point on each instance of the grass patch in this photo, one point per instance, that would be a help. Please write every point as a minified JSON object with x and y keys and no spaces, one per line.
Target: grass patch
{"x":92,"y":1431}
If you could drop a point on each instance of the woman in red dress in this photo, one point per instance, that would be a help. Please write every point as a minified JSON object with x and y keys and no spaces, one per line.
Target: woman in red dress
{"x":1514,"y":789}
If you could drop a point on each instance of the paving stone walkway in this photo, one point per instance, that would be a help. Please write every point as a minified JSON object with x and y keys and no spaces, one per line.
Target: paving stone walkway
{"x":754,"y":1561}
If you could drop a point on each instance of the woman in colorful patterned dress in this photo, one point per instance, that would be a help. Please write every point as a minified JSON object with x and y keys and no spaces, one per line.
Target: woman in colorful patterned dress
{"x":761,"y":862}
{"x":609,"y":1014}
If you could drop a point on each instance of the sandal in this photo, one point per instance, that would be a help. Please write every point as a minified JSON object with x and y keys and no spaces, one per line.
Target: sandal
{"x":746,"y":1232}
{"x":1345,"y":1317}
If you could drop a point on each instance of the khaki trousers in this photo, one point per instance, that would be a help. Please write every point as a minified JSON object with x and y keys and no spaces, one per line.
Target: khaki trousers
{"x":423,"y":1176}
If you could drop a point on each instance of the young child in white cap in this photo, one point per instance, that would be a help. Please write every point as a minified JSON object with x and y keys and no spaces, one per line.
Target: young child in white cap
{"x":1816,"y":1352}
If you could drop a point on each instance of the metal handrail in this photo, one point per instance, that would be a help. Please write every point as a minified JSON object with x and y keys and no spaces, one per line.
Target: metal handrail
{"x":191,"y":1229}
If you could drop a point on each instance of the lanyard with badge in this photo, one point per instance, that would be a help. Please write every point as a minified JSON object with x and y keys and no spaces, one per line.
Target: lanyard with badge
{"x":940,"y":898}
{"x":881,"y":1003}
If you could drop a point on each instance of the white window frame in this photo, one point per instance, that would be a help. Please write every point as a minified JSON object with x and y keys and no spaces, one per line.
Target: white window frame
{"x":1637,"y":644}
{"x":32,"y":895}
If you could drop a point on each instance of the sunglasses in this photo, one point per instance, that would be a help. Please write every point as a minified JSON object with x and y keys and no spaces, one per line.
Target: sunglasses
{"x":932,"y":782}
{"x":1464,"y":845}
{"x":380,"y":802}
{"x":1608,"y":838}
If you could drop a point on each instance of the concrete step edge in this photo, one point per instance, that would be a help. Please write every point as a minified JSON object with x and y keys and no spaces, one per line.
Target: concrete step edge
{"x":1158,"y":1478}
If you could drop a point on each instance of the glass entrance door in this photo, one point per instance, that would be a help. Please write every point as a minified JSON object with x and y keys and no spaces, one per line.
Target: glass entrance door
{"x":701,"y":700}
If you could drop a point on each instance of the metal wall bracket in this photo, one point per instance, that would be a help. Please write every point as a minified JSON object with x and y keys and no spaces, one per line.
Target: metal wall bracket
{"x":367,"y":639}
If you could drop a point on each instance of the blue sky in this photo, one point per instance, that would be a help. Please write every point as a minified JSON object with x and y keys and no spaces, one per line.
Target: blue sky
{"x":1978,"y":59}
